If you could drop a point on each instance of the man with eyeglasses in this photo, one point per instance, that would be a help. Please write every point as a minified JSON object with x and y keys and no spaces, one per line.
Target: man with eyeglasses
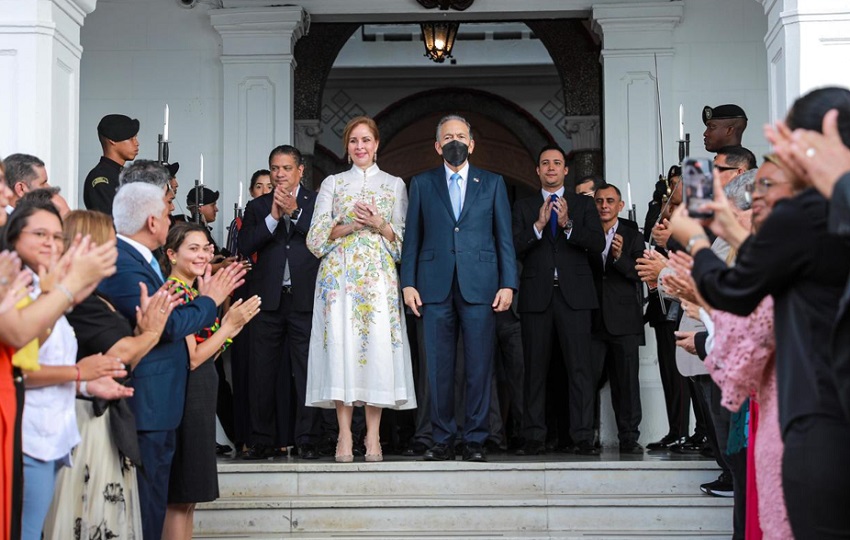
{"x":731,"y":161}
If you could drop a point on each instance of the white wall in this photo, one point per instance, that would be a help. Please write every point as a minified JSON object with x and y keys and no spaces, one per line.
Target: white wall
{"x":137,"y":57}
{"x":719,"y":58}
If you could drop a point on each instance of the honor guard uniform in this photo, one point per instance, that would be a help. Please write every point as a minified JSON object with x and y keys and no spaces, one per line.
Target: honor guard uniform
{"x":117,"y":134}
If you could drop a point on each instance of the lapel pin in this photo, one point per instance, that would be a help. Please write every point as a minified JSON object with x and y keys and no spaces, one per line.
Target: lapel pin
{"x":475,"y":180}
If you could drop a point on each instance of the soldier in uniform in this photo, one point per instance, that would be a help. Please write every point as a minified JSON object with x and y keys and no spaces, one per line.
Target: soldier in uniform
{"x":117,"y":134}
{"x":724,"y":126}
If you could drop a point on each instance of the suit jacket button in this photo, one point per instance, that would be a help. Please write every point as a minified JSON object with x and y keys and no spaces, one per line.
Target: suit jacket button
{"x":287,"y":246}
{"x":457,"y":229}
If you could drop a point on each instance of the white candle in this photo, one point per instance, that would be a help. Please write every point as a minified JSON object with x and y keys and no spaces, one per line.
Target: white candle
{"x":201,"y":176}
{"x":165,"y":127}
{"x":629,"y":192}
{"x":681,"y":122}
{"x":240,"y":194}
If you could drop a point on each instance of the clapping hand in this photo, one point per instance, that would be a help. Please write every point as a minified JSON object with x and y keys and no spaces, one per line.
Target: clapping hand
{"x":650,"y":265}
{"x":222,"y":283}
{"x":240,"y":314}
{"x":108,"y":388}
{"x":617,"y":246}
{"x":367,"y":215}
{"x":99,"y":365}
{"x":153,"y":311}
{"x":14,"y":281}
{"x":820,"y":158}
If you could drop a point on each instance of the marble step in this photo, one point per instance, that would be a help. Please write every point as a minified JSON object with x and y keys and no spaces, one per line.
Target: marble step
{"x":523,"y":499}
{"x":463,"y":515}
{"x":504,"y":535}
{"x":294,"y":479}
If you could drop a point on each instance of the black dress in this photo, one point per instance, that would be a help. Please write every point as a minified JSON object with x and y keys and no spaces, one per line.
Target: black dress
{"x":194,"y":473}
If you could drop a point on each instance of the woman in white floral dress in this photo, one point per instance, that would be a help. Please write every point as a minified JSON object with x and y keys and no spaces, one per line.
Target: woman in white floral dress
{"x":359,"y":354}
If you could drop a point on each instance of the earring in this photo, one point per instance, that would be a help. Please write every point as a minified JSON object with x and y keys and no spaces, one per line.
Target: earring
{"x":349,"y":159}
{"x":375,"y":158}
{"x":173,"y":261}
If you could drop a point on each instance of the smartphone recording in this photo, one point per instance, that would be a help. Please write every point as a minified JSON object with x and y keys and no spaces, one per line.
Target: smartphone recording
{"x":698,"y":184}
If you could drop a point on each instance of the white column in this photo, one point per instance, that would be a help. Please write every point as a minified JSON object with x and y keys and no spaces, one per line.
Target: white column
{"x":637,"y":54}
{"x":40,"y":96}
{"x":808,"y":44}
{"x":258,"y":66}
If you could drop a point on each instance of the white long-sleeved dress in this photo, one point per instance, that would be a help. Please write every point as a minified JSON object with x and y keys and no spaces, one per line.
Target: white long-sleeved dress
{"x":359,"y":353}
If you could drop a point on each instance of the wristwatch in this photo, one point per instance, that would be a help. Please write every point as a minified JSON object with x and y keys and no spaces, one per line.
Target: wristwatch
{"x":295,"y":214}
{"x":569,"y":226}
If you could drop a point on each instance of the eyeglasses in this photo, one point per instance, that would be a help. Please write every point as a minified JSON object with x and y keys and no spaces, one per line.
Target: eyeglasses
{"x":762,"y":185}
{"x":724,"y":168}
{"x":43,"y":235}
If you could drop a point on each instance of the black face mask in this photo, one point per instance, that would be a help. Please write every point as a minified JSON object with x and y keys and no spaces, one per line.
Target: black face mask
{"x":455,"y":153}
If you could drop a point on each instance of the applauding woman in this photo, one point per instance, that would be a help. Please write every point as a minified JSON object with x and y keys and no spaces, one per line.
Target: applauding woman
{"x":359,"y":353}
{"x":194,"y":477}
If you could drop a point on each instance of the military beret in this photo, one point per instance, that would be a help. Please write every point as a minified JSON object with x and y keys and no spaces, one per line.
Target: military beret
{"x":172,"y":168}
{"x":722,"y":112}
{"x":204,"y":196}
{"x":117,"y":127}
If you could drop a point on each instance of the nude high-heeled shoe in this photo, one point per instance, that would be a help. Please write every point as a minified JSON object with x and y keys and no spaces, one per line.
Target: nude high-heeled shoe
{"x":375,"y":457}
{"x":343,"y":458}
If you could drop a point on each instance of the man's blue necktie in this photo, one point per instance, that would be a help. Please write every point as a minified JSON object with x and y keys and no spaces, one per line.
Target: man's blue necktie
{"x":553,"y":219}
{"x":454,"y":194}
{"x":156,"y":268}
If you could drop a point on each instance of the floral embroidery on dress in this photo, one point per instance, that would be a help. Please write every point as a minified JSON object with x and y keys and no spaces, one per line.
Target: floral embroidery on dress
{"x":352,"y":259}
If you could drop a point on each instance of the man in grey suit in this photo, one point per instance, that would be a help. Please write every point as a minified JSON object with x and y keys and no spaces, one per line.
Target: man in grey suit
{"x":458,"y":269}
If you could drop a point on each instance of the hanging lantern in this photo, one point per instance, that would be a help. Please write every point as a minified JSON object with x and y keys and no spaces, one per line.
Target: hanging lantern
{"x":439,"y":38}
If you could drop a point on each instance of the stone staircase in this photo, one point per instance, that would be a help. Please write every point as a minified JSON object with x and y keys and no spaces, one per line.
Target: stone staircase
{"x":610,"y":498}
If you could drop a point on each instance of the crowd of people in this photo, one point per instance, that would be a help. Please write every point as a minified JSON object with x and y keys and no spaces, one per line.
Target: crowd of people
{"x":480,"y":327}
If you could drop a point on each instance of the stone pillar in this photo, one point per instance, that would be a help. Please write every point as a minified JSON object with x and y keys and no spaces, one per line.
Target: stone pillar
{"x":585,"y":134}
{"x":258,"y":65}
{"x":40,"y":96}
{"x":307,"y":132}
{"x":808,"y":43}
{"x":637,"y":54}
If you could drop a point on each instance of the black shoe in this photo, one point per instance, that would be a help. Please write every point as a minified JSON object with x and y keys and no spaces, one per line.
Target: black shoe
{"x":492,"y":447}
{"x":631,"y":447}
{"x":665,"y":443}
{"x":586,"y":448}
{"x":531,"y":448}
{"x":473,"y":452}
{"x":722,"y":487}
{"x":692,"y":445}
{"x":308,"y":451}
{"x":222,"y":449}
{"x":256,"y":452}
{"x":440,"y":452}
{"x":327,"y":446}
{"x":415,"y":449}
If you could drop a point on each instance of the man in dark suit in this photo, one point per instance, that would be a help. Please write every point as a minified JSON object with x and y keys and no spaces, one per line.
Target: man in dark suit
{"x":553,"y":233}
{"x":618,"y":323}
{"x":458,"y":268}
{"x":275,"y":228}
{"x":159,"y":380}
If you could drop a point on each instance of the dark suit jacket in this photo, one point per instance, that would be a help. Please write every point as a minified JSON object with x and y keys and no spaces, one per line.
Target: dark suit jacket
{"x":478,"y":244}
{"x":839,"y":215}
{"x":160,"y":377}
{"x":569,"y":255}
{"x":618,"y":287}
{"x":793,"y":258}
{"x":273,"y":250}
